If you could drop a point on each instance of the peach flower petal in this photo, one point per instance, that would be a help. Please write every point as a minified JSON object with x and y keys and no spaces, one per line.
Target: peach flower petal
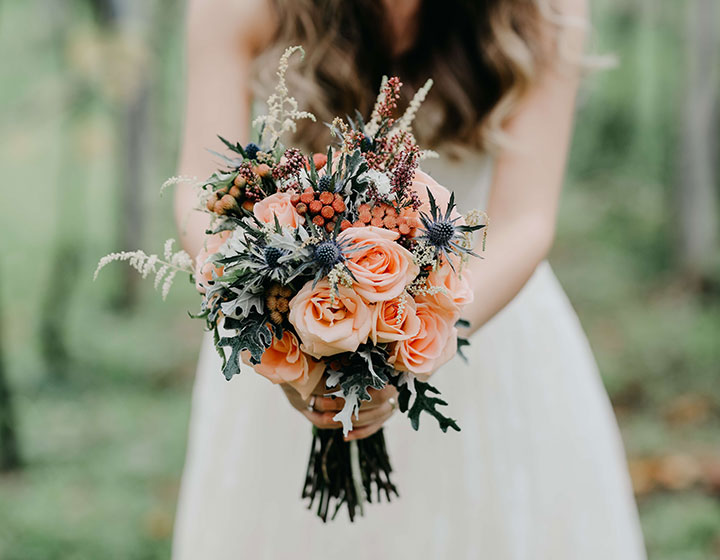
{"x":327,"y":325}
{"x":382,"y":268}
{"x":284,"y":362}
{"x":279,"y":205}
{"x":434,"y":345}
{"x":385,"y":324}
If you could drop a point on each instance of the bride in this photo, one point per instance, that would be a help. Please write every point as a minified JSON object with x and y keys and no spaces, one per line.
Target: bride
{"x":538,"y":471}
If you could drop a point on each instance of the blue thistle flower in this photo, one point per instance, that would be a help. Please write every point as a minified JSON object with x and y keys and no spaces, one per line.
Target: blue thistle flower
{"x":251,"y":150}
{"x":328,"y":253}
{"x":441,"y":231}
{"x":272,"y":256}
{"x":325,"y":183}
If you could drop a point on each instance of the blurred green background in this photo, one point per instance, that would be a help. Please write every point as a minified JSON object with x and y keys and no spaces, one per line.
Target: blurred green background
{"x":95,"y":378}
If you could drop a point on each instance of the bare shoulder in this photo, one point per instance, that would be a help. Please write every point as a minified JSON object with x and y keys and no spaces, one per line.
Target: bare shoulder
{"x":246,"y":24}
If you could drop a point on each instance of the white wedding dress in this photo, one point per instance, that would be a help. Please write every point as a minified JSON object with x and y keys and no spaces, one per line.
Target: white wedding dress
{"x":538,"y":471}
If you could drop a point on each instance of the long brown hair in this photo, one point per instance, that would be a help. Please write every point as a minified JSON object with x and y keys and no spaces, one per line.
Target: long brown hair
{"x":482,"y":55}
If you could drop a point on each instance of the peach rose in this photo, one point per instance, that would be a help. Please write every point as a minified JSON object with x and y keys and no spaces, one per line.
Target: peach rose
{"x":279,"y":205}
{"x":435,"y":344}
{"x":394,"y":320}
{"x":326,"y":325}
{"x":457,"y":291}
{"x":204,"y":269}
{"x":381,"y":267}
{"x":284,"y":362}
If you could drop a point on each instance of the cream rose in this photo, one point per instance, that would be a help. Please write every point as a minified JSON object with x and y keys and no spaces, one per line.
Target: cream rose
{"x":327,"y":325}
{"x":381,"y":267}
{"x":279,"y":205}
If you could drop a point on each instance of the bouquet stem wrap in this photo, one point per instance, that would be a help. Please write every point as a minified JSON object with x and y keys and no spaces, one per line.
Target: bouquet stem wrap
{"x":347,"y":473}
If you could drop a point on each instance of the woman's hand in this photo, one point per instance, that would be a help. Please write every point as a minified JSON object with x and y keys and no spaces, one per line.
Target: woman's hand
{"x":372,"y":414}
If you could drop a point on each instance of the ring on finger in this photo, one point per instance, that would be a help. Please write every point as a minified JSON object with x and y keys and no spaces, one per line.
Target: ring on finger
{"x":311,"y":404}
{"x":393,"y":403}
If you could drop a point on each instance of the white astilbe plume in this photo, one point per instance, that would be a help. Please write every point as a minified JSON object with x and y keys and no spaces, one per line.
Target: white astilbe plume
{"x":164,"y":269}
{"x":405,"y":122}
{"x":372,"y":126}
{"x":427,"y":154}
{"x":281,"y":106}
{"x":177,"y":180}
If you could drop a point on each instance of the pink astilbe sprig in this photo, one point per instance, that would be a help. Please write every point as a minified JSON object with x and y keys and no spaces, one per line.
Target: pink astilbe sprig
{"x":390,"y":96}
{"x":253,"y":188}
{"x":402,"y":176}
{"x":290,"y":165}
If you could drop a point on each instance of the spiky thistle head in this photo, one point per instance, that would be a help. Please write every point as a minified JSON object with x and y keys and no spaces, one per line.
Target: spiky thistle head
{"x":272,"y":256}
{"x":441,"y":231}
{"x":328,"y":253}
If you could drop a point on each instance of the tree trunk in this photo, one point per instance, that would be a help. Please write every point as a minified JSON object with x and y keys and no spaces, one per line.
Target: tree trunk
{"x":697,"y":182}
{"x":9,"y":448}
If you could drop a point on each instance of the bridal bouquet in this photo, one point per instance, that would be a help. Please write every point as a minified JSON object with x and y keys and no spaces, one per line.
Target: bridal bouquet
{"x":345,"y":266}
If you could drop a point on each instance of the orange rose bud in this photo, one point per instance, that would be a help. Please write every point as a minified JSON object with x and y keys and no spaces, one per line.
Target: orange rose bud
{"x":212,"y":199}
{"x":329,"y":227}
{"x":301,"y":208}
{"x":319,"y":160}
{"x":326,"y":198}
{"x":327,"y":212}
{"x":240,"y":181}
{"x":263,"y":170}
{"x":358,"y":224}
{"x":248,"y":205}
{"x":234,"y":192}
{"x":390,"y":211}
{"x":318,"y":221}
{"x":404,"y":229}
{"x":307,"y":197}
{"x":339,"y":205}
{"x":344,"y":225}
{"x":218,"y":208}
{"x":364,"y":208}
{"x":378,"y":211}
{"x":365,"y":217}
{"x":295,"y":198}
{"x":377,"y":222}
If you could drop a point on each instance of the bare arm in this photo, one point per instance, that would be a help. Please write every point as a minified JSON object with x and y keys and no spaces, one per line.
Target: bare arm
{"x":527,"y":183}
{"x":222,"y":39}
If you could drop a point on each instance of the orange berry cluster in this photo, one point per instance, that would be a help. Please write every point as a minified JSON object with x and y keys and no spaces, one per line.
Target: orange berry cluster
{"x":386,"y":216}
{"x":322,"y":208}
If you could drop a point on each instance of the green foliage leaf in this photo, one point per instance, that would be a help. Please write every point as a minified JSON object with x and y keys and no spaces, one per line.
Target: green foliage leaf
{"x":424,"y":402}
{"x":253,"y":334}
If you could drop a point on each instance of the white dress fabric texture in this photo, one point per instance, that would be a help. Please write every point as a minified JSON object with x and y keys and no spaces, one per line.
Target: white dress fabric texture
{"x":538,"y":471}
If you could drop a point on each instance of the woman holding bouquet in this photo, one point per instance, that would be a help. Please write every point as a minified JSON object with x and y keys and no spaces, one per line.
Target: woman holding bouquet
{"x":538,"y":470}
